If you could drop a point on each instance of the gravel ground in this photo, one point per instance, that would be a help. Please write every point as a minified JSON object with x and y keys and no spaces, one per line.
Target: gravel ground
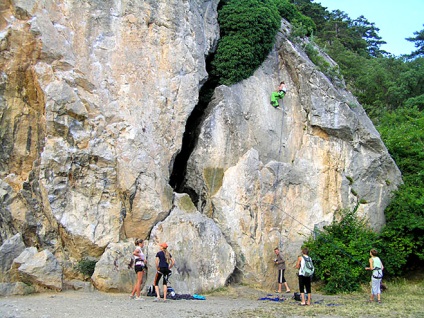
{"x":76,"y":304}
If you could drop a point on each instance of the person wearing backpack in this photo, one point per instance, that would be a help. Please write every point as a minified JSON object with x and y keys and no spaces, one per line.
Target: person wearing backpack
{"x":139,"y":265}
{"x":164,"y":263}
{"x":306,"y":269}
{"x":376,"y":266}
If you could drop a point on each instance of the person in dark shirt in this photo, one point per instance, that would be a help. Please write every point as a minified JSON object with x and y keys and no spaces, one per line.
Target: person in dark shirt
{"x":164,"y":263}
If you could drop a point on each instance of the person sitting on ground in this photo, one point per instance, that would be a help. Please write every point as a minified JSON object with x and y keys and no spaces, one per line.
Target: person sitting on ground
{"x":279,"y":94}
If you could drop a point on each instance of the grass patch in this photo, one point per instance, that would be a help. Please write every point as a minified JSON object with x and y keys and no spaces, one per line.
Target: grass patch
{"x":403,"y":298}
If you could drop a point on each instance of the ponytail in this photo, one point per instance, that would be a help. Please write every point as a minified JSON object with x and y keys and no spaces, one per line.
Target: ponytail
{"x":167,"y":256}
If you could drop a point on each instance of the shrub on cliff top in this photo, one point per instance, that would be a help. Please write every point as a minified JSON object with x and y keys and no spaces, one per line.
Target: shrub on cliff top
{"x":248,"y":29}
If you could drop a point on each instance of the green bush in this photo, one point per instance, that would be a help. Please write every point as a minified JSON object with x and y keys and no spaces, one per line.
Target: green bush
{"x":341,"y":251}
{"x":248,"y":29}
{"x":403,"y":235}
{"x":86,"y":266}
{"x":403,"y":133}
{"x":289,"y":12}
{"x":331,"y":72}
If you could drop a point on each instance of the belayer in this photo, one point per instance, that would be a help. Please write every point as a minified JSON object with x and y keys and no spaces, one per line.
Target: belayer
{"x":279,"y":94}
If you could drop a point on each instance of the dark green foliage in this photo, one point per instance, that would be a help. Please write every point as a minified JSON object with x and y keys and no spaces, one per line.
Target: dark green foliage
{"x":403,"y":236}
{"x":315,"y":11}
{"x":391,"y":89}
{"x":341,"y":252}
{"x":415,"y":102}
{"x":248,"y":29}
{"x":232,"y":65}
{"x":289,"y":12}
{"x":419,"y":44}
{"x":331,"y":72}
{"x":86,"y":266}
{"x":403,"y":133}
{"x":368,"y":32}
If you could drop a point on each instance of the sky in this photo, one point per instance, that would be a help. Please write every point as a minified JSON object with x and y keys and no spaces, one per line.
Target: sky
{"x":396,"y":19}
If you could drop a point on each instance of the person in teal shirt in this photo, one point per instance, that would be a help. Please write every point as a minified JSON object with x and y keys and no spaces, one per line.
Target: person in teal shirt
{"x":279,"y":94}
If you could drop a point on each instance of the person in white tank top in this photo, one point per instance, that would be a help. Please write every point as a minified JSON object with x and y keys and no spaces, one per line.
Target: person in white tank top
{"x":139,"y":265}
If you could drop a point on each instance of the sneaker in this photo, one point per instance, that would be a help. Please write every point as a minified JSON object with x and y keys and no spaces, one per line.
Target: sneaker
{"x":139,"y":298}
{"x":132,"y":296}
{"x":156,"y":300}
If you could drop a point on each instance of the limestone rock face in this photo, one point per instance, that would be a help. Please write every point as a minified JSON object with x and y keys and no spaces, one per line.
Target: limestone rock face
{"x":94,"y":101}
{"x":204,"y":260}
{"x":39,"y":268}
{"x":269,"y":177}
{"x":18,"y":288}
{"x":10,"y":249}
{"x":112,"y":273}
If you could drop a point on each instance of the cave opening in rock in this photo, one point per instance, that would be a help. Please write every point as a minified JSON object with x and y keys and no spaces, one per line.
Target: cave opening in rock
{"x":235,"y":277}
{"x":191,"y":134}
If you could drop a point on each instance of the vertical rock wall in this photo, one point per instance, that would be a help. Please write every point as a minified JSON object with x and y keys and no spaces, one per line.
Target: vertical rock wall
{"x":94,"y":99}
{"x":95,"y":95}
{"x":270,"y":177}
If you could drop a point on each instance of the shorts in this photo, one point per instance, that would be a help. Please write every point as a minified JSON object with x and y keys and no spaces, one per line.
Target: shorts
{"x":162,"y":272}
{"x":304,"y":284}
{"x":138,"y":268}
{"x":281,"y":278}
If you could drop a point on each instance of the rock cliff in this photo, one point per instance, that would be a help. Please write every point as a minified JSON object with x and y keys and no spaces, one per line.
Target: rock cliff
{"x":94,"y":101}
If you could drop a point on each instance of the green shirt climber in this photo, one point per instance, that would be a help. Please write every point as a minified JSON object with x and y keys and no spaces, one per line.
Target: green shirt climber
{"x":275,"y":96}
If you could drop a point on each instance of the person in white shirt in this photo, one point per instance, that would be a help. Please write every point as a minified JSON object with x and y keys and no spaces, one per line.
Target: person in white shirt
{"x":139,"y":265}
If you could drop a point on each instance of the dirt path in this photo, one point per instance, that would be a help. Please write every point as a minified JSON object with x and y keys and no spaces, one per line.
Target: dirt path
{"x":75,"y":304}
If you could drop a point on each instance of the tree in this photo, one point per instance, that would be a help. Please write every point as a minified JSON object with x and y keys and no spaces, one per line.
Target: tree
{"x":419,"y":44}
{"x":315,"y":11}
{"x":403,"y":133}
{"x":369,"y":32}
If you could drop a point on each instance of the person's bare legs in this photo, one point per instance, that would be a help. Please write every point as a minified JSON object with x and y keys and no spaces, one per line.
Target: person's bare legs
{"x":165,"y":291}
{"x":137,"y":285}
{"x":302,"y":298}
{"x":279,"y":287}
{"x":287,"y":287}
{"x":139,"y":282}
{"x":309,"y":299}
{"x":157,"y":292}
